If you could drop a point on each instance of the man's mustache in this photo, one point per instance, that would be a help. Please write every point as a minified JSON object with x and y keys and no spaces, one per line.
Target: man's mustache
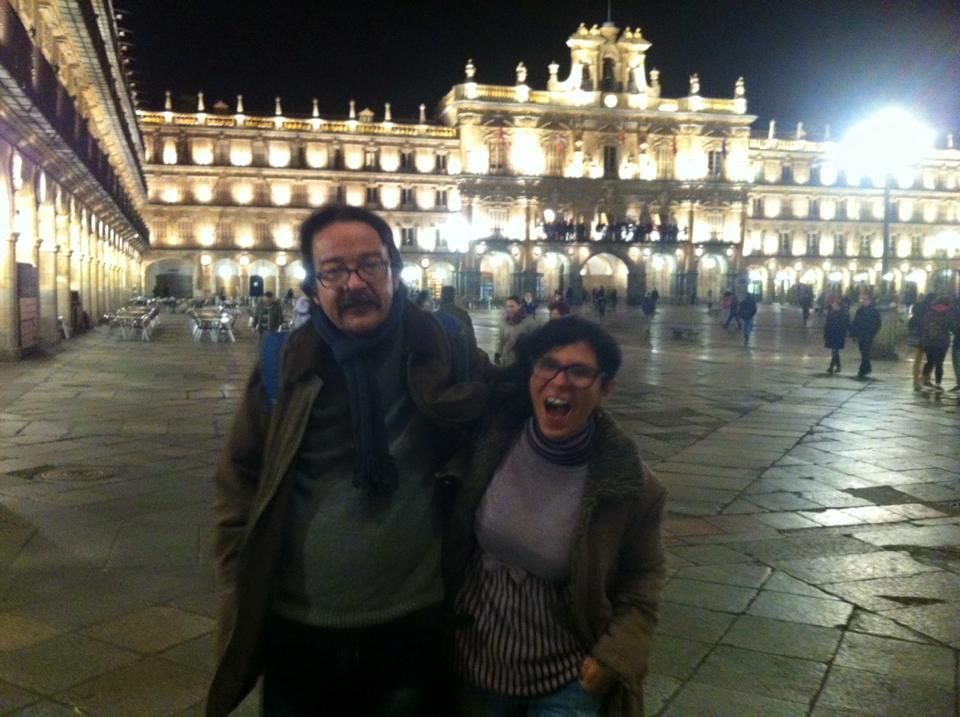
{"x":358,"y":299}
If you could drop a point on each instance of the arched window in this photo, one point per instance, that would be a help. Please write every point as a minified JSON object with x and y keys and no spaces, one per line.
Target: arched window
{"x":16,"y":171}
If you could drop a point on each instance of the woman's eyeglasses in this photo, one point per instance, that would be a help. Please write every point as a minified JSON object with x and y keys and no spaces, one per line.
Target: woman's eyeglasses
{"x":579,"y":375}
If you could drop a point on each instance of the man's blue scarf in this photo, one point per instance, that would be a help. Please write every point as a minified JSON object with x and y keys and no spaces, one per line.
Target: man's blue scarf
{"x":374,"y":469}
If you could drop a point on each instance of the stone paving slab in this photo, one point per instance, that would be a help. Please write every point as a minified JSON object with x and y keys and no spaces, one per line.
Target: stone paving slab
{"x":812,"y":529}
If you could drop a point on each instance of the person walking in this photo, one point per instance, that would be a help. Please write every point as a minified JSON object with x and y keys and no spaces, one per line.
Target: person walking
{"x":864,"y":328}
{"x":514,"y":326}
{"x":835,"y":329}
{"x":734,"y":309}
{"x":955,"y":328}
{"x":806,"y":302}
{"x":937,"y":330}
{"x":269,"y":315}
{"x":449,"y":306}
{"x":558,"y":308}
{"x":915,"y":336}
{"x":747,"y":311}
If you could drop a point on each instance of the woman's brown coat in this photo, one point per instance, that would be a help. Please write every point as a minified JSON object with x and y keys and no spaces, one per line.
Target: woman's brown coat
{"x":617,"y":563}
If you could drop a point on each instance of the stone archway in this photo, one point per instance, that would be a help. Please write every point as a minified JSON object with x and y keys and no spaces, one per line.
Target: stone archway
{"x":661,"y":270}
{"x":607,"y":271}
{"x":437,"y":275}
{"x":173,"y":275}
{"x":226,"y":277}
{"x":496,"y":275}
{"x":554,"y":269}
{"x":712,"y":273}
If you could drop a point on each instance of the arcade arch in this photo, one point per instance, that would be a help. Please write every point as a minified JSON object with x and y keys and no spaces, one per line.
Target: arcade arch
{"x":496,"y":275}
{"x":605,"y":270}
{"x":226,"y":278}
{"x":661,"y":269}
{"x":437,"y":275}
{"x":173,"y":274}
{"x":712,"y":273}
{"x":554,"y":270}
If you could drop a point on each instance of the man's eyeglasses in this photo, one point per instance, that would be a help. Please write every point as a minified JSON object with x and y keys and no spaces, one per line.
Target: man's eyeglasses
{"x":579,"y":375}
{"x":369,"y":270}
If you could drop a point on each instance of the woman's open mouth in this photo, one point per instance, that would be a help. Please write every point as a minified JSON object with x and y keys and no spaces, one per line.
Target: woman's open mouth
{"x":557,"y":407}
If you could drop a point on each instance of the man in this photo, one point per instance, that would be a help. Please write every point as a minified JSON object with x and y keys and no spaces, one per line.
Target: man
{"x":515,"y":325}
{"x":955,"y":328}
{"x":864,"y":327}
{"x":448,"y":306}
{"x":937,"y":329}
{"x":558,"y":308}
{"x":327,"y":534}
{"x":734,"y":314}
{"x":269,"y":315}
{"x":747,"y":310}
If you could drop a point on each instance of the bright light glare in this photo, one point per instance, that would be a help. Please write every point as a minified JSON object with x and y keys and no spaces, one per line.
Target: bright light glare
{"x":890,"y":142}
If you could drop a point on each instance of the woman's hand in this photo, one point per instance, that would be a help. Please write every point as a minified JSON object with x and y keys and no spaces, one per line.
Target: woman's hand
{"x":595,"y":677}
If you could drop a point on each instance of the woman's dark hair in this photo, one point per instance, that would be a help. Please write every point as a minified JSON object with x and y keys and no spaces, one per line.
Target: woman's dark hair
{"x":338,"y":213}
{"x":572,"y":330}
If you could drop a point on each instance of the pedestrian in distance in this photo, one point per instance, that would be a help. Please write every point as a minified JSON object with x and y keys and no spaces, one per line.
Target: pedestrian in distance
{"x":513,"y":327}
{"x":734,"y":314}
{"x":747,"y":311}
{"x":301,"y":312}
{"x":806,"y":303}
{"x":449,"y":306}
{"x":530,"y":304}
{"x":326,"y":530}
{"x":709,"y":301}
{"x":558,"y":308}
{"x":600,"y":302}
{"x":938,"y":327}
{"x":835,"y":329}
{"x":269,"y":316}
{"x":864,"y":328}
{"x":955,"y":328}
{"x":648,"y":306}
{"x":915,"y":336}
{"x":555,"y":554}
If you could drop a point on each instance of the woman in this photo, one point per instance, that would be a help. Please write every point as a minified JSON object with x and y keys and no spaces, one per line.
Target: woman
{"x":835,"y":330}
{"x":915,"y":337}
{"x":554,"y":554}
{"x":937,"y":328}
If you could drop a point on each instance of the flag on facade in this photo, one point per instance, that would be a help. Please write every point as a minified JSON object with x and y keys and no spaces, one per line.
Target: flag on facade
{"x":674,"y":146}
{"x":723,"y":148}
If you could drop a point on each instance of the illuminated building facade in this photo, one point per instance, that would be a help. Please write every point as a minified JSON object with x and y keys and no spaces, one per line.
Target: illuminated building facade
{"x":71,"y":179}
{"x":597,"y":180}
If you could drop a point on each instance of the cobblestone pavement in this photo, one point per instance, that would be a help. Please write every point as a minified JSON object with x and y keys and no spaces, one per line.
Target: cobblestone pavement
{"x":813,"y":531}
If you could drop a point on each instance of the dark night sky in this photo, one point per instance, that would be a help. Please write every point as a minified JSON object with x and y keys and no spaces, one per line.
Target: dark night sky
{"x":813,"y":60}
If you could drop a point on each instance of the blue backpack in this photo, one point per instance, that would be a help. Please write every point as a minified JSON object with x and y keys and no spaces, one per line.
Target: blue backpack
{"x":271,"y":355}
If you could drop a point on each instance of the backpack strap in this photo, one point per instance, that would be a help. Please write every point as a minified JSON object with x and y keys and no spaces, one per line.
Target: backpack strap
{"x":271,"y":353}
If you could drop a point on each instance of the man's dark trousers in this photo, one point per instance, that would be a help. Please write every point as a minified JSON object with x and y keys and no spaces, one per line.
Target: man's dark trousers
{"x":378,"y":671}
{"x":865,"y":345}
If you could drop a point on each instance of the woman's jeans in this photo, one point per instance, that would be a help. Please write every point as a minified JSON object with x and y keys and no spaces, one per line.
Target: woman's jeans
{"x":569,"y":701}
{"x":935,"y":357}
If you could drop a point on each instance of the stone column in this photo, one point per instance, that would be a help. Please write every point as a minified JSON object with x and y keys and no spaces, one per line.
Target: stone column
{"x":49,"y":310}
{"x":62,"y":255}
{"x":9,"y":312}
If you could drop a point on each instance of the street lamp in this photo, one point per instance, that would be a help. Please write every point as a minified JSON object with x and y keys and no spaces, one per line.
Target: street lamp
{"x":886,"y":145}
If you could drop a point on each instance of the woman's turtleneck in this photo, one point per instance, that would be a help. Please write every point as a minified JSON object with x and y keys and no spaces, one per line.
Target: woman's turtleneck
{"x":570,"y":451}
